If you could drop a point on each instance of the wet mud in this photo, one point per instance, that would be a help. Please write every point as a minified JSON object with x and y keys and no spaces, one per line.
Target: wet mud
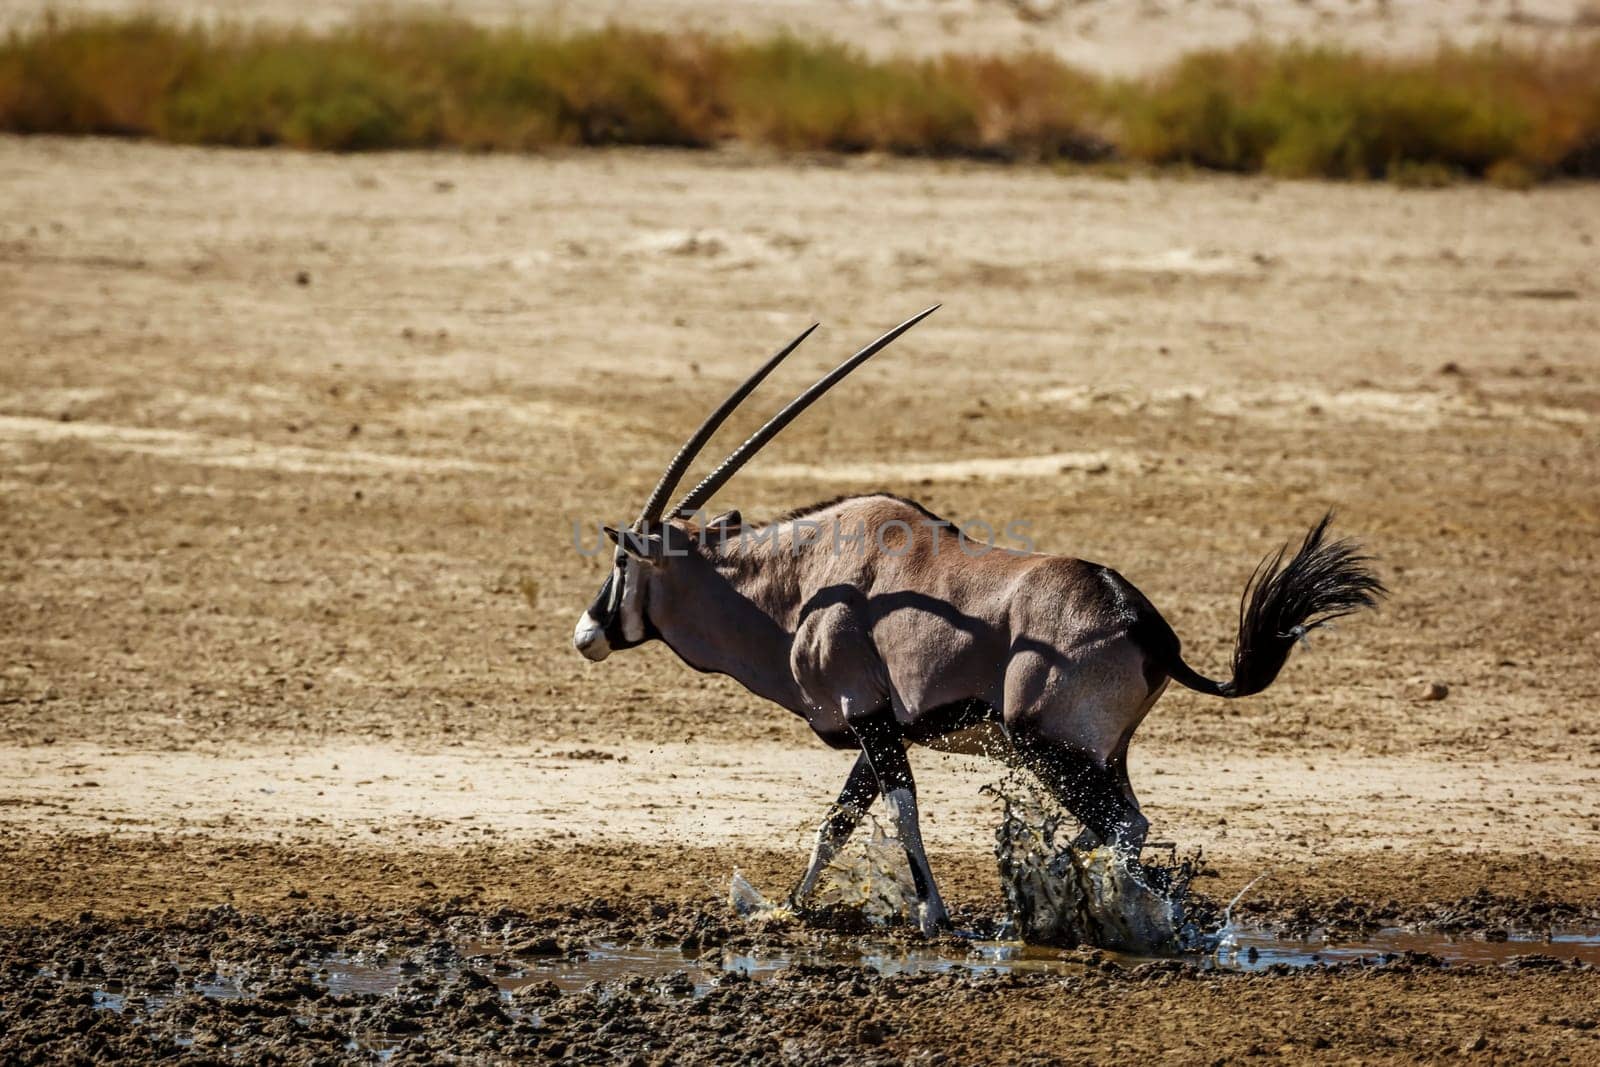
{"x":660,"y":983}
{"x":1057,"y":893}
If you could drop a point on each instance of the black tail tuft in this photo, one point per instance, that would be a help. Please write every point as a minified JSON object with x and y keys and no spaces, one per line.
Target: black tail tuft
{"x":1282,"y":603}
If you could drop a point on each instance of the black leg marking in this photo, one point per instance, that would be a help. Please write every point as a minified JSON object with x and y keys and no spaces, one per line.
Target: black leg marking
{"x":883,"y":745}
{"x":1094,"y":794}
{"x":860,"y":790}
{"x":883,"y":749}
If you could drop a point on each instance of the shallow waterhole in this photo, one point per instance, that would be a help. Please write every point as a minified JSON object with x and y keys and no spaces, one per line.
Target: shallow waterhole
{"x":607,"y":966}
{"x":1249,"y":949}
{"x":671,"y":971}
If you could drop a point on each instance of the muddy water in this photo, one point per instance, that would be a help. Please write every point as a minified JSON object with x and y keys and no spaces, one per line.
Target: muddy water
{"x":1258,"y":949}
{"x":670,"y":971}
{"x":400,"y":992}
{"x":1250,"y":949}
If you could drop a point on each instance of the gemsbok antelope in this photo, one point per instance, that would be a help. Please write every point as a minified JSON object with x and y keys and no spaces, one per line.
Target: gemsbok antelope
{"x":897,"y":633}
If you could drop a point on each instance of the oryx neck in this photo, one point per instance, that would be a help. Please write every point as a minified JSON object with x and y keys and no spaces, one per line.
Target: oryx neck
{"x":731,"y":620}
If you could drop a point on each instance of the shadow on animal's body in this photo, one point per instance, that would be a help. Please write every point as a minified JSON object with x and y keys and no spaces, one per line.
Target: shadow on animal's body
{"x":898,"y":633}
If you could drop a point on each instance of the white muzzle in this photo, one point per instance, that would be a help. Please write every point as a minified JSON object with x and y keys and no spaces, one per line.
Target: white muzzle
{"x":590,"y":639}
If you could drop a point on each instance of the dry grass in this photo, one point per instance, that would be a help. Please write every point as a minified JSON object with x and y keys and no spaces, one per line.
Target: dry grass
{"x":1514,"y":117}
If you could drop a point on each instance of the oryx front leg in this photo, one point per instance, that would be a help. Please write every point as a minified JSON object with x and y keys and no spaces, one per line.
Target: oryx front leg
{"x":883,"y":748}
{"x":860,"y":790}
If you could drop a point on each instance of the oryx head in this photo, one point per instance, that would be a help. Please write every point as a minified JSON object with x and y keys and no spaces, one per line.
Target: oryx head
{"x":620,"y":616}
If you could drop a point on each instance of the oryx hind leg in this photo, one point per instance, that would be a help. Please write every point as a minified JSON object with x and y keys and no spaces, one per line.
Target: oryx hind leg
{"x":1117,"y":766}
{"x":860,"y":790}
{"x":1091,"y":791}
{"x":1072,"y":722}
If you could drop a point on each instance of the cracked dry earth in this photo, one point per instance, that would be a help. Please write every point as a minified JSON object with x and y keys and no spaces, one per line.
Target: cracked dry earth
{"x":296,"y":763}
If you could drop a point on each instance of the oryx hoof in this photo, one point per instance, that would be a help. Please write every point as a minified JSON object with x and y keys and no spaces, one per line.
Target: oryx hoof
{"x":1086,"y":841}
{"x":932,"y":918}
{"x":796,"y":902}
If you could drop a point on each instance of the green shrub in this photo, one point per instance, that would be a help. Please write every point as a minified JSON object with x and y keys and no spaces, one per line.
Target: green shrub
{"x":308,"y":93}
{"x":1302,"y":112}
{"x":803,"y":96}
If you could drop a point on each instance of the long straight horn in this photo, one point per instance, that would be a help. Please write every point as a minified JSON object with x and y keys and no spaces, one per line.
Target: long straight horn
{"x":730,"y":466}
{"x":697,"y":440}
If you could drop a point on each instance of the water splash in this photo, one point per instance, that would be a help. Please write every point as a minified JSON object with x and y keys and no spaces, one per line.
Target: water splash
{"x":748,"y":902}
{"x":1055,"y":894}
{"x":1227,"y":939}
{"x":870,"y":878}
{"x":1058,"y":894}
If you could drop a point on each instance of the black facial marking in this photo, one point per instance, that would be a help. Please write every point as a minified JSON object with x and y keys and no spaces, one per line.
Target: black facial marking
{"x":607,"y":611}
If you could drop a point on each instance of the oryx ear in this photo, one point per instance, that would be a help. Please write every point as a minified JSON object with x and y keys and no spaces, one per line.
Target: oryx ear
{"x":646,"y":548}
{"x":727,"y":520}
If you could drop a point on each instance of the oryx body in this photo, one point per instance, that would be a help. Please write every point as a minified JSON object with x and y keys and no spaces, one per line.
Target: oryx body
{"x":883,"y":626}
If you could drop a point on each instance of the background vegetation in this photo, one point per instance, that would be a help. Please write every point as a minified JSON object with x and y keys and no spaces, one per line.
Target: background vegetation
{"x":1514,"y":117}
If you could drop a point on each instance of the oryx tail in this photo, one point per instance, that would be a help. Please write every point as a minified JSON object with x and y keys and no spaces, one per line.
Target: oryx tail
{"x":1281,"y":604}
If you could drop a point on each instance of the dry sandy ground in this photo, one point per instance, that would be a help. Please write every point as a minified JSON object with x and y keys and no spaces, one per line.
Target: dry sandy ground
{"x":1297,"y":811}
{"x":1117,"y":36}
{"x":291,"y":448}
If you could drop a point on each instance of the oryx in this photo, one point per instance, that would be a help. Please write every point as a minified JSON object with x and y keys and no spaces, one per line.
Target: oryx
{"x":896,"y":633}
